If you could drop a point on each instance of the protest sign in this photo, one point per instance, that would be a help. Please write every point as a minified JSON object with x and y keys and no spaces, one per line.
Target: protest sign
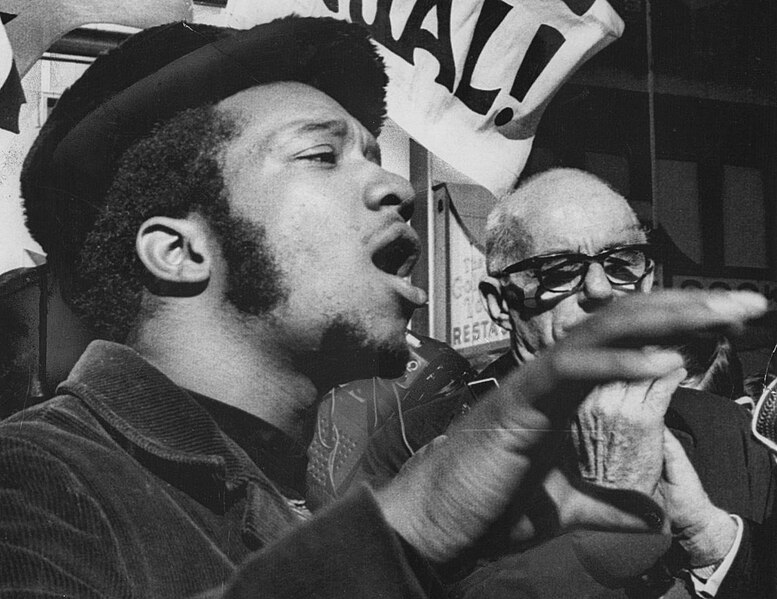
{"x":468,"y":79}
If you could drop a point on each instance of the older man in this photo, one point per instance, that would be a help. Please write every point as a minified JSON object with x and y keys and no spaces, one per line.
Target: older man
{"x":559,"y":249}
{"x":213,"y":203}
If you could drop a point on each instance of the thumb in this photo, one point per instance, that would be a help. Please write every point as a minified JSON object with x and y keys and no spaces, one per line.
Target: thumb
{"x":661,"y":390}
{"x":687,"y":504}
{"x":677,"y":466}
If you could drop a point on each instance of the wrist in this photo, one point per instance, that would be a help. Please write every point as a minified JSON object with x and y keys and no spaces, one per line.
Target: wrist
{"x":708,"y":542}
{"x":449,"y":493}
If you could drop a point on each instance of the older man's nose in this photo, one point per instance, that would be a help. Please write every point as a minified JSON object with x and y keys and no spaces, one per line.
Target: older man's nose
{"x":596,"y":286}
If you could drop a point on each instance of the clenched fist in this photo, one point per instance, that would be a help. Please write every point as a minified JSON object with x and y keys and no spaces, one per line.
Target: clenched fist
{"x":618,"y":432}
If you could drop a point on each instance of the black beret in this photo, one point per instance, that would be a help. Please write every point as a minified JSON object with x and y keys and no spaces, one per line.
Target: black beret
{"x":156,"y":74}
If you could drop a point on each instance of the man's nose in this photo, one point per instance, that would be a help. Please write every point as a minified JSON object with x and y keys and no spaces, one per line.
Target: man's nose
{"x":596,"y":286}
{"x":389,"y":189}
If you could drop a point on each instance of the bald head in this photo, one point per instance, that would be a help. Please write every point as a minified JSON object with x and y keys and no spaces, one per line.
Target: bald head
{"x":556,"y":211}
{"x":562,"y":211}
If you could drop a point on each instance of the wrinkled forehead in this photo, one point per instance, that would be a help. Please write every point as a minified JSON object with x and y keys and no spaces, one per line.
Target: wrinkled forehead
{"x":586,"y":223}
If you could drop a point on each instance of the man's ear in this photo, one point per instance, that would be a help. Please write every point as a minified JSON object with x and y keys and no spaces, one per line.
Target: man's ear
{"x":496,"y":304}
{"x":176,"y":251}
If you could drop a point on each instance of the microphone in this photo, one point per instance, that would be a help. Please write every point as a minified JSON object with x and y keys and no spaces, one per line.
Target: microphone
{"x":764,"y":424}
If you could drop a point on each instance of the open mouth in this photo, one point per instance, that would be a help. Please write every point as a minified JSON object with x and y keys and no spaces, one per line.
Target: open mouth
{"x":399,"y":255}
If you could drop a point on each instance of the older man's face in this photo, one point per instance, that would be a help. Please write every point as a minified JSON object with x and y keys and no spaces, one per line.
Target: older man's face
{"x":309,"y":174}
{"x":573,"y":225}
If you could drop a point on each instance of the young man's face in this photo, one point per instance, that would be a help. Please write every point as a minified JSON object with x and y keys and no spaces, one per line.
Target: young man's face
{"x":309,"y":174}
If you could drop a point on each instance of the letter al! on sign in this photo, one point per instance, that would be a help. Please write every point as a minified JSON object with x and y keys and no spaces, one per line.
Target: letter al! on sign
{"x":543,"y":47}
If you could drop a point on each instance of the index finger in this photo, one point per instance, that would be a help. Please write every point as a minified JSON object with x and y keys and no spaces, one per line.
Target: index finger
{"x":643,"y":319}
{"x":661,"y":389}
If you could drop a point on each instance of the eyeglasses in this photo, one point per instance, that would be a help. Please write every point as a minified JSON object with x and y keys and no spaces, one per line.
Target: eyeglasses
{"x":566,"y":272}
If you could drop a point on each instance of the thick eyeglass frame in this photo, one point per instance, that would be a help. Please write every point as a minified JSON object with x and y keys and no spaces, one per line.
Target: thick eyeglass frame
{"x":585,"y":260}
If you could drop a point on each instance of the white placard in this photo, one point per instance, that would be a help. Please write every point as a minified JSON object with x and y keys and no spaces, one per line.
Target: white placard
{"x":470,"y":324}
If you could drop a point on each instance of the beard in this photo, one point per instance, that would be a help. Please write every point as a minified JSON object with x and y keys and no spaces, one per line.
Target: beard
{"x":350,"y":352}
{"x":256,"y":285}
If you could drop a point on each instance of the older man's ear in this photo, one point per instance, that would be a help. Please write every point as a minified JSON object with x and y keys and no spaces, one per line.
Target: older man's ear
{"x":646,"y":284}
{"x":495,"y":299}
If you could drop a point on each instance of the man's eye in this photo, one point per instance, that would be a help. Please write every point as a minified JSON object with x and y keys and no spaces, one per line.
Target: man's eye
{"x":317,"y":155}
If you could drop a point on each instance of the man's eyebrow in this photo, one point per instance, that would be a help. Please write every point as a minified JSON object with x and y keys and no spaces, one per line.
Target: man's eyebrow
{"x":289,"y":131}
{"x":636,"y":228}
{"x":335,"y":127}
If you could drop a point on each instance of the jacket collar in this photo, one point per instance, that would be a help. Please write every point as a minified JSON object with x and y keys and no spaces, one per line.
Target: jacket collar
{"x":169,"y":433}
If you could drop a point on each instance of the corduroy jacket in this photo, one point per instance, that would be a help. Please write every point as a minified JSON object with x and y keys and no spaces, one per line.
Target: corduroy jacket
{"x":124,"y":486}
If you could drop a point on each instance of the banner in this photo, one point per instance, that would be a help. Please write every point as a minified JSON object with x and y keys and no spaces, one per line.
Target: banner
{"x":469,"y":79}
{"x":6,"y":55}
{"x":11,"y":93}
{"x":37,"y":24}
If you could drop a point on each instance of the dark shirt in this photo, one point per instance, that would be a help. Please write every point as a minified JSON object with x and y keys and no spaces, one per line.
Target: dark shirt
{"x":281,"y":458}
{"x":124,"y":486}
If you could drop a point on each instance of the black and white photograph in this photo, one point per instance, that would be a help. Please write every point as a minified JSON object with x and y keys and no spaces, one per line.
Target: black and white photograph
{"x":425,"y":299}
